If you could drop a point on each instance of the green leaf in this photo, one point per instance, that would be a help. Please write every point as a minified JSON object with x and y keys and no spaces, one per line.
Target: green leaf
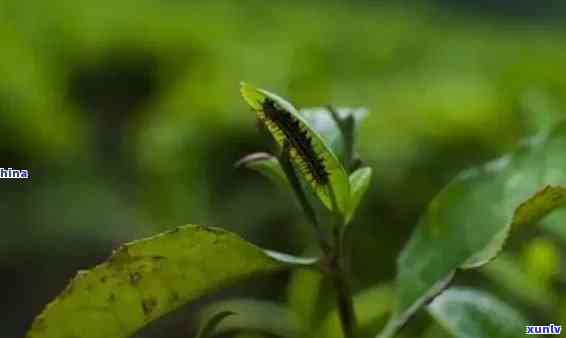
{"x":267,"y":165}
{"x":467,"y":224}
{"x":309,"y":152}
{"x":528,"y":212}
{"x":255,"y":316}
{"x":321,"y":121}
{"x":468,"y":313}
{"x":371,"y":306}
{"x":146,"y":279}
{"x":359,"y":184}
{"x":211,"y":324}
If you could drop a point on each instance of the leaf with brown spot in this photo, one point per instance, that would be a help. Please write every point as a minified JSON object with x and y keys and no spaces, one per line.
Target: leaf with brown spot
{"x":135,"y":277}
{"x":148,"y":305}
{"x":192,"y":261}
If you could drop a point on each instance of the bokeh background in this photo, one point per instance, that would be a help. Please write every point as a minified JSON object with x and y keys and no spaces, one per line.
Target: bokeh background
{"x":128,"y":116}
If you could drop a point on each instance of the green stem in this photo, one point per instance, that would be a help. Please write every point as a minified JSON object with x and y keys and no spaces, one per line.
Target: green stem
{"x":341,"y":281}
{"x":335,"y":254}
{"x":308,"y":210}
{"x":339,"y":272}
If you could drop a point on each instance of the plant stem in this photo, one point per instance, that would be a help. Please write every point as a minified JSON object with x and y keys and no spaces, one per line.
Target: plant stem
{"x":339,"y":272}
{"x":340,"y":278}
{"x":300,"y":194}
{"x":335,"y":254}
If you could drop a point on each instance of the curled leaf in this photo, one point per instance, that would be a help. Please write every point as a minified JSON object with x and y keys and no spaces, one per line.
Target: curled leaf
{"x":267,"y":165}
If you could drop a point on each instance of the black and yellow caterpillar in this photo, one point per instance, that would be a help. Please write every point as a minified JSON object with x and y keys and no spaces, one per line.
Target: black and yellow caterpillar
{"x":283,"y":122}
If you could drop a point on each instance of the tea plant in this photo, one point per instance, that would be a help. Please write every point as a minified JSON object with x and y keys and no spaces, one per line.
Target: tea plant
{"x":464,"y":227}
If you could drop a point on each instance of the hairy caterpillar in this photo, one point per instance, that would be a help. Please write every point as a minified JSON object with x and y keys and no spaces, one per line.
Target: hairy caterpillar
{"x":309,"y":154}
{"x":283,"y":122}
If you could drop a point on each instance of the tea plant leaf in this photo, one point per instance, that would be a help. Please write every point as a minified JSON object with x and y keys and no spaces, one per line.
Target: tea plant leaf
{"x":359,"y":184}
{"x":468,"y":222}
{"x":267,"y":165}
{"x":312,"y":157}
{"x":146,"y":279}
{"x":255,"y":316}
{"x":468,"y":313}
{"x":322,"y":122}
{"x":211,"y":324}
{"x":530,"y":211}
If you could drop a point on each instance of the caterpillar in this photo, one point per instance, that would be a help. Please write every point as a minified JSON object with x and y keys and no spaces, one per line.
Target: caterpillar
{"x":283,"y":122}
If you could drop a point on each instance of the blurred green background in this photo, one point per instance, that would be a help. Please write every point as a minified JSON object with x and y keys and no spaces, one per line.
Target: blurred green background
{"x":128,"y":116}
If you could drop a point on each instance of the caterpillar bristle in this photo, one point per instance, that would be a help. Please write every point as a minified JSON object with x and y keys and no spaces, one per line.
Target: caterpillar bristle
{"x":309,"y":162}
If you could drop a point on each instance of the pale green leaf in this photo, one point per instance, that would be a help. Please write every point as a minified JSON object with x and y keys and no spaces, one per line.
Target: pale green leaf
{"x":267,"y":165}
{"x":359,"y":184}
{"x":322,"y":122}
{"x":146,"y":279}
{"x":468,"y":313}
{"x":337,"y":186}
{"x":467,"y":224}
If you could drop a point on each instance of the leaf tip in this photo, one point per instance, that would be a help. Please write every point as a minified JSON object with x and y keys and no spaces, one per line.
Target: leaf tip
{"x":251,"y":95}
